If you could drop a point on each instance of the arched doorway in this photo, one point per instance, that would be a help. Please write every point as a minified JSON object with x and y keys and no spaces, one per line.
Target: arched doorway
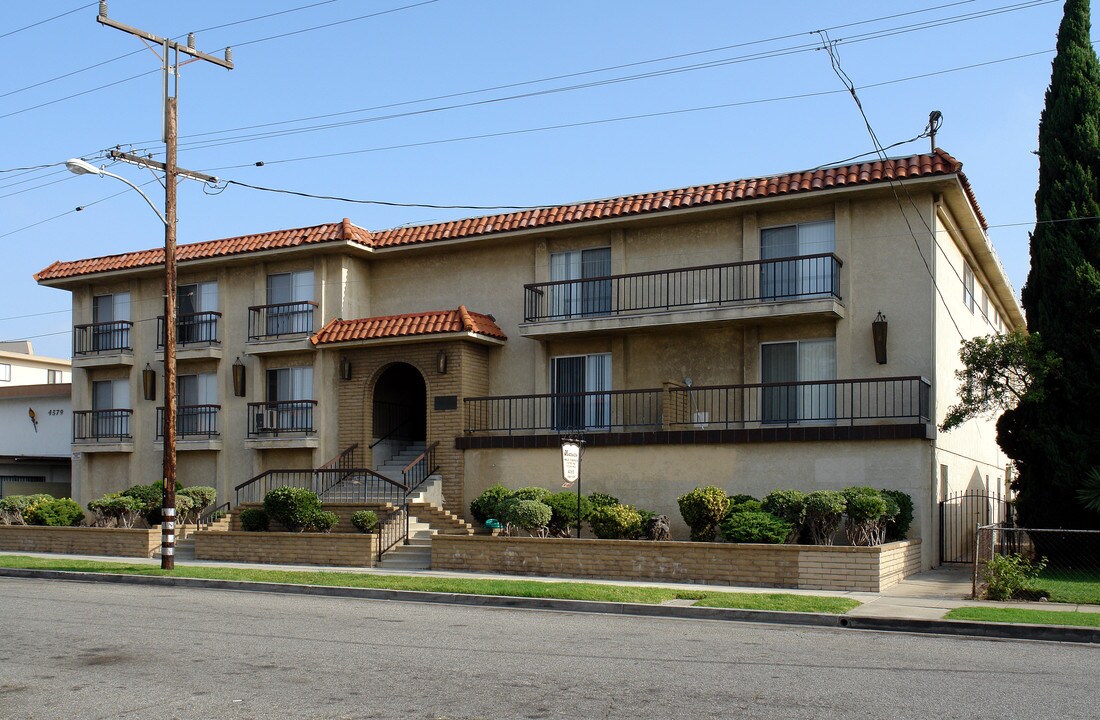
{"x":399,"y":412}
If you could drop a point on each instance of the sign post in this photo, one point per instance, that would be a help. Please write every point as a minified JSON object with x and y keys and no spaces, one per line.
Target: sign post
{"x":572,"y":448}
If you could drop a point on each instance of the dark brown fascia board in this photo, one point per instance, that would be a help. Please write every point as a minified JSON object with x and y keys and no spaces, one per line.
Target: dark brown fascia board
{"x":410,"y":339}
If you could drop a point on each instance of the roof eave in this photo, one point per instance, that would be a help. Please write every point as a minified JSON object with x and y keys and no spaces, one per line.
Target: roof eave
{"x":408,"y":339}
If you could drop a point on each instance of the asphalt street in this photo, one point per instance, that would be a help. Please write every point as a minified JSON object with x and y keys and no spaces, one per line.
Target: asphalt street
{"x":88,"y":650}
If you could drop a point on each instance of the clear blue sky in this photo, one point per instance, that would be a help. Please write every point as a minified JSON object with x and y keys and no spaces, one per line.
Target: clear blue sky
{"x":404,"y":58}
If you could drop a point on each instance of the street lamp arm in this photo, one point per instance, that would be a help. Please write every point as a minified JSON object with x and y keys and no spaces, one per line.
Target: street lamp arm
{"x":80,"y":167}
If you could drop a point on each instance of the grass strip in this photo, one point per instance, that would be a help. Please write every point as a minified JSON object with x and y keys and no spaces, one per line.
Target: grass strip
{"x":1071,"y":586}
{"x":461,"y":586}
{"x":1030,"y":617}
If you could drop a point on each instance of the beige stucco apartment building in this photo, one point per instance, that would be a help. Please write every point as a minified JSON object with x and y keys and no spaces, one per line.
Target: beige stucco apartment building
{"x":719,"y":334}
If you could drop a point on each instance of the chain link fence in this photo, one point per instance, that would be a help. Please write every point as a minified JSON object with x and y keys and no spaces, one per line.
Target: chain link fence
{"x":1068,"y":562}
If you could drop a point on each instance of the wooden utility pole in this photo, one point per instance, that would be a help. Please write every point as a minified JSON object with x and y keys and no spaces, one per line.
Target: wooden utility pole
{"x":170,"y":64}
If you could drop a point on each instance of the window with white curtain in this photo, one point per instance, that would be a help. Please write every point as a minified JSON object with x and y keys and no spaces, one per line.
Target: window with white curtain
{"x":968,"y":286}
{"x":109,"y":313}
{"x":584,"y":287}
{"x":790,"y":274}
{"x":109,"y":399}
{"x":288,"y":386}
{"x":195,"y":298}
{"x":290,"y":291}
{"x":579,"y":384}
{"x":197,"y":393}
{"x":800,"y":361}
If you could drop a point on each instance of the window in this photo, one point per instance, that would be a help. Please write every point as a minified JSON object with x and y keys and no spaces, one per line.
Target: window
{"x":5,"y":372}
{"x":579,"y":383}
{"x":110,"y":318}
{"x":985,"y":306}
{"x":797,"y":277}
{"x":197,"y":409}
{"x":802,"y":361}
{"x":195,"y":303}
{"x":288,"y":390}
{"x":111,"y":408}
{"x":291,"y":293}
{"x":55,"y":377}
{"x":968,"y":287}
{"x":589,"y":293}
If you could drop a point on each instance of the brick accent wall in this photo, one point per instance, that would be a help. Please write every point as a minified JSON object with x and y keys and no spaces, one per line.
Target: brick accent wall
{"x":467,"y":376}
{"x":340,"y":549}
{"x":116,"y":542}
{"x":865,"y":569}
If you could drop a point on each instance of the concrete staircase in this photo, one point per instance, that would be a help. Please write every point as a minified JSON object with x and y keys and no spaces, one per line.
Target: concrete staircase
{"x":392,"y":468}
{"x":417,"y":555}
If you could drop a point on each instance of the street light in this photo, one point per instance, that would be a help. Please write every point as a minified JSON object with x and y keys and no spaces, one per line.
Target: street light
{"x":168,"y":497}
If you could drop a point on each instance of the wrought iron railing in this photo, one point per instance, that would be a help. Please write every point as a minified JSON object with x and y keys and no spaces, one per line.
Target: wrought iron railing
{"x":790,"y":278}
{"x":192,"y":421}
{"x":192,"y":329}
{"x":350,"y":485}
{"x":895,"y":399}
{"x":393,"y":530}
{"x":346,"y":459}
{"x":102,"y":337}
{"x":102,"y":425}
{"x":286,"y":417}
{"x":212,"y":515}
{"x":268,"y":322}
{"x":420,"y":469}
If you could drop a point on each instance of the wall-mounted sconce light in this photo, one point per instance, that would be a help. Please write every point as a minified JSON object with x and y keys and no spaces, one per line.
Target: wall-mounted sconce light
{"x":149,"y":382}
{"x":238,"y":377}
{"x":878,"y":334}
{"x":441,"y":362}
{"x":345,"y":369}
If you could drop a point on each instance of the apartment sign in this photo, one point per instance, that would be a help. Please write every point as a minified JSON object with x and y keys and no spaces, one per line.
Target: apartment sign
{"x":570,"y":462}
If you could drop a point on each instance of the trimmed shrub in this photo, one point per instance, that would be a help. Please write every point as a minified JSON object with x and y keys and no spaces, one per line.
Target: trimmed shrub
{"x":529,"y":515}
{"x":150,"y":498}
{"x":866,"y":512}
{"x":755,"y":527}
{"x":323,"y":521}
{"x":742,"y":503}
{"x":530,"y":493}
{"x":702,"y":509}
{"x":365,"y":521}
{"x":563,"y":511}
{"x":202,"y":497}
{"x":292,"y":507}
{"x":599,"y":499}
{"x":646,"y":516}
{"x":14,"y":509}
{"x":254,"y":520}
{"x":185,"y":510}
{"x":790,"y":507}
{"x":115,"y":510}
{"x":55,"y":512}
{"x":824,"y":513}
{"x":486,"y":505}
{"x":615,"y":522}
{"x":1012,"y":576}
{"x":897,"y":528}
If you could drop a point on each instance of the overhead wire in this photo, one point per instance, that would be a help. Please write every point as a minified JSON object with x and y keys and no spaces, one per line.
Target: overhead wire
{"x":43,"y":22}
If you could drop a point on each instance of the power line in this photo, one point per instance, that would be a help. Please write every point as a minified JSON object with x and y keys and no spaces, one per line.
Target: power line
{"x":386,"y":203}
{"x":78,"y":94}
{"x":43,"y":22}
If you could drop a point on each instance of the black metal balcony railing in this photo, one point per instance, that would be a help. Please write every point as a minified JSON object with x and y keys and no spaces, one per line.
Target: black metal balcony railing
{"x":192,"y":421}
{"x":266,"y":322}
{"x":792,"y":278}
{"x":900,"y":399}
{"x":289,"y":417}
{"x":102,"y":337}
{"x":192,"y":329}
{"x":102,"y":425}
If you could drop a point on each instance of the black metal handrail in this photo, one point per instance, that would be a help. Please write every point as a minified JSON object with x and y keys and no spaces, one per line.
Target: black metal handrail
{"x":208,"y":518}
{"x":102,"y":337}
{"x":710,"y":407}
{"x":789,"y":278}
{"x":285,"y":417}
{"x":266,"y":322}
{"x":393,"y":530}
{"x":100,"y":425}
{"x":397,"y":416}
{"x":349,"y":484}
{"x":420,"y":469}
{"x":199,"y":328}
{"x":346,"y":459}
{"x":192,"y":421}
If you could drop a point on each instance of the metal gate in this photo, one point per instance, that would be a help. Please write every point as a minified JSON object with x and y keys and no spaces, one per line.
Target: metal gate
{"x":961,"y":514}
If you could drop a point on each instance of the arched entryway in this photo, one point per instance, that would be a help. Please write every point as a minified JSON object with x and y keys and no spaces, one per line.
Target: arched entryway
{"x":398,"y":412}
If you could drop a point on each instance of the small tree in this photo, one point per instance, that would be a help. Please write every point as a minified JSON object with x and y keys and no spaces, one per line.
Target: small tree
{"x":867,"y":511}
{"x":824,"y":513}
{"x":789,"y":506}
{"x":703,"y":509}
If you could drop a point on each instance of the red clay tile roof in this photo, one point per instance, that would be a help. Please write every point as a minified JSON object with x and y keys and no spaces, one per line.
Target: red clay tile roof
{"x":423,"y":323}
{"x":938,"y":163}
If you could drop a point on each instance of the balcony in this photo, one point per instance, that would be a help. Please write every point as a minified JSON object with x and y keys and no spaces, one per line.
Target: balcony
{"x":196,"y":335}
{"x":196,"y":427}
{"x":282,"y":424}
{"x":870,"y":408}
{"x":282,"y":327}
{"x":804,"y":286}
{"x":103,"y":344}
{"x":103,"y":430}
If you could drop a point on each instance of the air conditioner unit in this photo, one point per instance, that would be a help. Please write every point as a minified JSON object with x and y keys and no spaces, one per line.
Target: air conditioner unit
{"x":271,"y":422}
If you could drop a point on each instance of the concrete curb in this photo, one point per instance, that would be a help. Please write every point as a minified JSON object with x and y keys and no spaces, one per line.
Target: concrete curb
{"x":1008,"y":631}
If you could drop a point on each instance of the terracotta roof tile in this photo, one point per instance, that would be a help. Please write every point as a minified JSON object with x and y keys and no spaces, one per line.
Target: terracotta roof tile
{"x":422,"y":323}
{"x":938,"y":163}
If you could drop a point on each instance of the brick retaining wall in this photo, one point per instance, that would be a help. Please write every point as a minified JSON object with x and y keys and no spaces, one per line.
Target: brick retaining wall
{"x":343,"y":510}
{"x":117,"y":542}
{"x":867,"y":569}
{"x":343,"y":549}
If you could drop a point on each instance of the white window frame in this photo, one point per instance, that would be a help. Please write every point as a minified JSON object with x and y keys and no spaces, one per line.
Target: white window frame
{"x":5,"y":372}
{"x":968,"y":286}
{"x":55,"y":377}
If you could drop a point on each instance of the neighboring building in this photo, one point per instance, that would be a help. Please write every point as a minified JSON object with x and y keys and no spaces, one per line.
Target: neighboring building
{"x":719,"y":334}
{"x":35,"y":417}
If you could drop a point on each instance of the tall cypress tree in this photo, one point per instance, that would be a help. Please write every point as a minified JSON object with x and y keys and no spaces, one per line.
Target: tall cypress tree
{"x":1055,"y":437}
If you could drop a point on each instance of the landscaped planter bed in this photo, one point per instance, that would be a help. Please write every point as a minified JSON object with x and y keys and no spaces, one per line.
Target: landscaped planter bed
{"x":116,"y":542}
{"x":341,"y":549}
{"x":811,"y":567}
